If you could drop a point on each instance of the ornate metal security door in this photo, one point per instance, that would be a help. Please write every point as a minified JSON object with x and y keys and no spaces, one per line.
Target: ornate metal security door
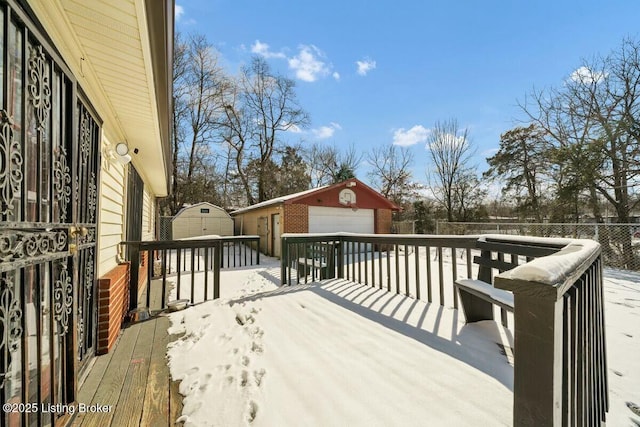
{"x":85,"y":214}
{"x":48,"y":202}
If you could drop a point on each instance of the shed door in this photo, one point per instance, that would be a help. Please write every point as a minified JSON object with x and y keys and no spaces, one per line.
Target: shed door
{"x":328,"y":220}
{"x":275,"y":220}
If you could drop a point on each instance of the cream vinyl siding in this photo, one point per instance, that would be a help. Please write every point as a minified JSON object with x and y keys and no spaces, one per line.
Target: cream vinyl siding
{"x":148,"y":218}
{"x":112,"y":210}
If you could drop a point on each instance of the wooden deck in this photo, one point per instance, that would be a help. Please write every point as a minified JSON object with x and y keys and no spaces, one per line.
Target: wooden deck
{"x":133,"y":379}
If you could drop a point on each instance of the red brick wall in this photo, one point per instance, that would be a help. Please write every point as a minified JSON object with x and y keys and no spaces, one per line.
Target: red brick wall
{"x":296,"y":219}
{"x":383,"y":219}
{"x":113,"y":305}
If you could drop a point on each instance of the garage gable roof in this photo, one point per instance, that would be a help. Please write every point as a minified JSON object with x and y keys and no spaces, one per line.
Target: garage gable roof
{"x":308,"y":196}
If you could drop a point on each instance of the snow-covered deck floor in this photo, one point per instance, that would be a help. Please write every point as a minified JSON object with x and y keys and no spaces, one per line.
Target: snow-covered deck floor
{"x":339,"y":353}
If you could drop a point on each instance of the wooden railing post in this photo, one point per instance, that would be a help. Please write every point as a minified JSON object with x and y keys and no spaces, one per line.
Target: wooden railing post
{"x":134,"y":274}
{"x":284,"y":259}
{"x":553,"y":369}
{"x":340,"y":258}
{"x":538,"y":361}
{"x":216,"y":270}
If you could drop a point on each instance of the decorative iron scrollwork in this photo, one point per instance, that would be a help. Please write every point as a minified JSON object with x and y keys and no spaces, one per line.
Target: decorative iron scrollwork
{"x":62,"y":183}
{"x":10,"y":323}
{"x":10,"y":165}
{"x":10,"y":317}
{"x":85,"y":137}
{"x":80,"y":333}
{"x":63,"y":299}
{"x":39,"y":88}
{"x":24,"y":245}
{"x":88,"y":279}
{"x":92,"y":198}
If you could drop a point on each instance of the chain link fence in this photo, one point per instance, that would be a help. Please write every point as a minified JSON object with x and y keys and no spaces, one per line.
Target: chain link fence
{"x":166,"y":230}
{"x":403,"y":227}
{"x":620,"y":242}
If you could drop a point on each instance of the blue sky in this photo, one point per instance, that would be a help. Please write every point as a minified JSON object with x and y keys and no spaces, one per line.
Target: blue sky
{"x":372,"y":73}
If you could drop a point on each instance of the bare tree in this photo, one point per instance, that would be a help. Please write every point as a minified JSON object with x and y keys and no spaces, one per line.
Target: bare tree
{"x":391,"y":173}
{"x":179,"y":114}
{"x":594,"y":119}
{"x":198,"y":83}
{"x":450,"y":151}
{"x":262,"y":106}
{"x":328,"y":165}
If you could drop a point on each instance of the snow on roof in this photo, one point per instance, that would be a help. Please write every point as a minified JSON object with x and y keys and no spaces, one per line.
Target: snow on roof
{"x":277,"y":200}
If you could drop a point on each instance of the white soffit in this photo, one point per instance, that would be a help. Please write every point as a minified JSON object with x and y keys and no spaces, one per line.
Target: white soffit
{"x":115,"y":43}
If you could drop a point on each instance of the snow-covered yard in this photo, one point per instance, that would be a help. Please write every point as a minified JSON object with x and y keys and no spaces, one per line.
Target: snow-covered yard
{"x":340,"y":353}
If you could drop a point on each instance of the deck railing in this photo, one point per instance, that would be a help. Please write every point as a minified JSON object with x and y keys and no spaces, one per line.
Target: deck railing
{"x":196,"y":261}
{"x":408,"y":265}
{"x":560,"y":369}
{"x":560,"y":375}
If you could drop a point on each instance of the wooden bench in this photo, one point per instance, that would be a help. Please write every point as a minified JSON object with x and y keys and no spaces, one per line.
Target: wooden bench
{"x":478,"y":296}
{"x":318,"y":257}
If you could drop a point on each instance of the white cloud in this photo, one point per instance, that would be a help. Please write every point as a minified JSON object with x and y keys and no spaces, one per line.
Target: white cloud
{"x":415,"y":135}
{"x":365,"y":66}
{"x":587,"y":76}
{"x":262,"y":49}
{"x":450,"y":140}
{"x":293,"y":128}
{"x":324,"y":132}
{"x":308,"y":64}
{"x":178,"y":11}
{"x":336,"y":75}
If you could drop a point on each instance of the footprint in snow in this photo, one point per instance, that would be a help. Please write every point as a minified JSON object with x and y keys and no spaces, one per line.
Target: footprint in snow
{"x":634,"y":408}
{"x":258,"y":376}
{"x":244,"y":379}
{"x":256,"y":348}
{"x":242,"y":320}
{"x":193,"y":370}
{"x":252,"y":411}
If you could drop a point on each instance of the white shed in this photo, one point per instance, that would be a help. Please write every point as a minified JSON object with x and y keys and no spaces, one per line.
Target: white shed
{"x":201,"y":219}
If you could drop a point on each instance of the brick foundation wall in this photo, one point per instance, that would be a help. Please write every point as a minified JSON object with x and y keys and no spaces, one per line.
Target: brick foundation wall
{"x":383,"y":218}
{"x":296,"y":219}
{"x":113,"y":305}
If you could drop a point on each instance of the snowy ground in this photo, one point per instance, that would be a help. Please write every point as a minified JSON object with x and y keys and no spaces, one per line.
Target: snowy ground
{"x":339,"y":353}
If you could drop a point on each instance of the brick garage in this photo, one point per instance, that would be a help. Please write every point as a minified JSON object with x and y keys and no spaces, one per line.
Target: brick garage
{"x":347,"y":206}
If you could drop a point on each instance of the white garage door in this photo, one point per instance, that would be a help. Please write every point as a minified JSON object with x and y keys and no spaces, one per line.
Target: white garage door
{"x":328,"y":220}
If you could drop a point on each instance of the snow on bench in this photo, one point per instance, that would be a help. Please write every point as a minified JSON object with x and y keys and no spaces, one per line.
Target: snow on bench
{"x":486,"y":292}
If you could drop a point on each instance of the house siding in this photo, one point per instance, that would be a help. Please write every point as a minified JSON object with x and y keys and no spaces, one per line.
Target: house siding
{"x":258,"y":222}
{"x":112,"y":209}
{"x":113,"y":273}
